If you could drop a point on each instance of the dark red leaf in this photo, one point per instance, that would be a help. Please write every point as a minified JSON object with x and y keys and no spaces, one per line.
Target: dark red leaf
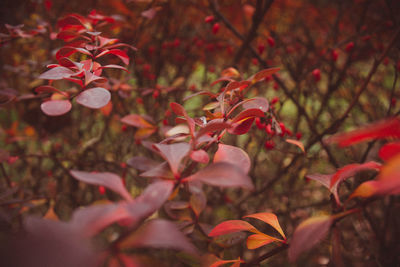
{"x":116,"y":52}
{"x":263,"y":74}
{"x":377,"y":130}
{"x":113,"y":66}
{"x":241,"y":127}
{"x":94,"y":98}
{"x":106,"y":179}
{"x":222,"y":174}
{"x":212,"y":126}
{"x":56,"y":107}
{"x":257,"y":102}
{"x":91,"y":77}
{"x":308,"y":234}
{"x":66,"y":51}
{"x":351,"y":169}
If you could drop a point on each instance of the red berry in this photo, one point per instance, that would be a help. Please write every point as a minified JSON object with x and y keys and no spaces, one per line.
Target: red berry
{"x":254,"y":61}
{"x":299,"y":135}
{"x":334,"y":55}
{"x":274,"y":100}
{"x":139,"y":100}
{"x":271,"y":41}
{"x":269,"y":145}
{"x":177,"y":42}
{"x":261,"y":48}
{"x":209,"y":19}
{"x":393,"y":101}
{"x":385,"y":61}
{"x":283,"y":128}
{"x":276,"y":86}
{"x":124,"y":128}
{"x":349,"y":47}
{"x":156,"y":93}
{"x":268,"y":130}
{"x":317,"y":75}
{"x":123,"y":165}
{"x":165,"y":122}
{"x":215,"y":28}
{"x":259,"y":124}
{"x":102,"y":190}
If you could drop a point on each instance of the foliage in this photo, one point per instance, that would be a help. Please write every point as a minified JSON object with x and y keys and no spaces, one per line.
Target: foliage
{"x":164,"y":132}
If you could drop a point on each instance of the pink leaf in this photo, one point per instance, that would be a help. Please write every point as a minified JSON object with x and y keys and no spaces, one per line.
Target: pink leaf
{"x":377,"y":130}
{"x":151,"y":199}
{"x":91,"y":77}
{"x":173,"y":154}
{"x":233,"y":155}
{"x":199,"y":156}
{"x":57,"y":73}
{"x":160,"y":171}
{"x":66,"y":51}
{"x":56,"y":107}
{"x":113,"y":66}
{"x":308,"y":234}
{"x":159,"y":234}
{"x":232,"y":226}
{"x":106,"y":179}
{"x":91,"y":220}
{"x":257,"y":102}
{"x":142,"y":163}
{"x":222,"y":174}
{"x":94,"y":98}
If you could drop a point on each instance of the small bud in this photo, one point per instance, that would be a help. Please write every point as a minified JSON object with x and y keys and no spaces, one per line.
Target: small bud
{"x":102,"y":190}
{"x":299,"y":135}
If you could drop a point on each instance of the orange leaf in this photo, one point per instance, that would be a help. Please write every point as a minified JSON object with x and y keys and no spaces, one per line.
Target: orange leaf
{"x":268,"y":218}
{"x":297,"y":143}
{"x":259,"y":240}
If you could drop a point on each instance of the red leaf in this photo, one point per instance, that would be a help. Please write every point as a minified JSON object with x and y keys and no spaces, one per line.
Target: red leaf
{"x":117,"y":52}
{"x":173,"y":154}
{"x":199,"y":156}
{"x":351,"y":169}
{"x":57,"y":73}
{"x":232,"y":226}
{"x":159,"y":234}
{"x":178,"y":109}
{"x":66,"y":51}
{"x":241,"y":127}
{"x":270,"y":219}
{"x":49,"y":89}
{"x":308,"y":234}
{"x":378,"y":130}
{"x":136,"y":121}
{"x":263,"y":74}
{"x":56,"y":107}
{"x":389,"y":150}
{"x":94,"y":98}
{"x":106,"y":179}
{"x":160,"y":171}
{"x":222,"y":174}
{"x":113,"y":66}
{"x":233,"y":155}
